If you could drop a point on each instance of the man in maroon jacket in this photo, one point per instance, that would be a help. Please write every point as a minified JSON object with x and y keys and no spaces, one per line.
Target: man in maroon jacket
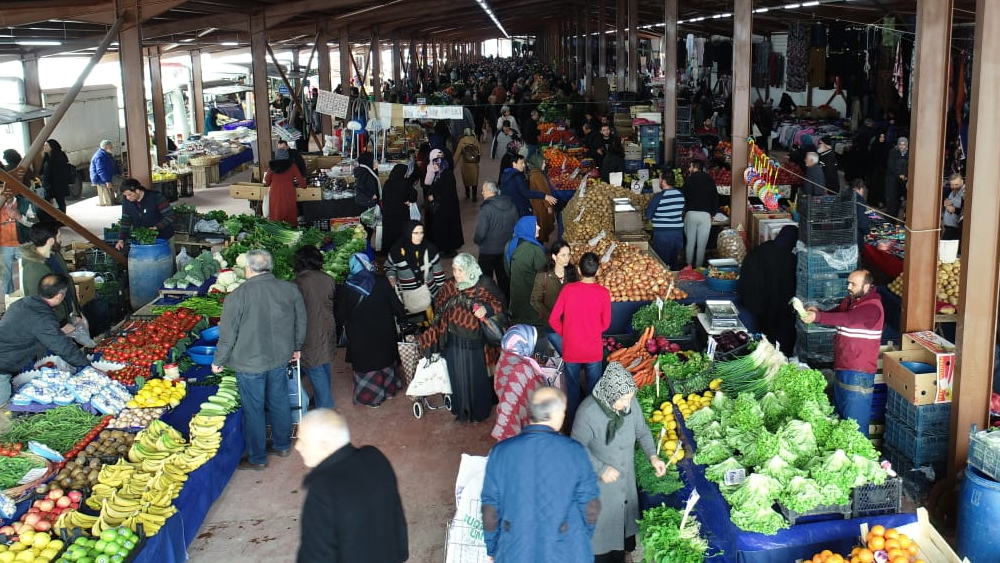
{"x":859,"y":319}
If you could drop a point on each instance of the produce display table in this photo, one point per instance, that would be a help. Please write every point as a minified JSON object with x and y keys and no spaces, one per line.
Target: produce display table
{"x":328,"y":209}
{"x":231,"y":162}
{"x":729,"y":544}
{"x":698,"y":292}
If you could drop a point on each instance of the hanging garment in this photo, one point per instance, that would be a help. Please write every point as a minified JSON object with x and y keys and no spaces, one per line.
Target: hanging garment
{"x":897,"y":71}
{"x":796,"y":58}
{"x":817,"y":35}
{"x":890,"y":37}
{"x":817,"y":67}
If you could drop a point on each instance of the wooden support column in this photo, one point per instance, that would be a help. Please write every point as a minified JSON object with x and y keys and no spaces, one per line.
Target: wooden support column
{"x":927,"y":134}
{"x":670,"y":78}
{"x":159,"y":108}
{"x":261,"y":98}
{"x":977,"y":305}
{"x":376,"y":54}
{"x":578,"y":50}
{"x":344,"y":47}
{"x":423,"y":57}
{"x":397,"y":59}
{"x":588,"y":48}
{"x":602,"y":41}
{"x":742,"y":45}
{"x":633,"y":45}
{"x":197,"y":92}
{"x":325,"y":73}
{"x":133,"y":87}
{"x":620,"y":11}
{"x":33,"y":96}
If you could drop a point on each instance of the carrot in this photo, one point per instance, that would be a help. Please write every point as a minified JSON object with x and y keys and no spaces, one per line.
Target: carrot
{"x":643,"y":365}
{"x":614,"y":356}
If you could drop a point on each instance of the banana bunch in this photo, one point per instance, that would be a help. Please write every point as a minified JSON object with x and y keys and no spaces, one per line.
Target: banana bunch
{"x":155,"y":443}
{"x":72,"y":519}
{"x":225,"y":400}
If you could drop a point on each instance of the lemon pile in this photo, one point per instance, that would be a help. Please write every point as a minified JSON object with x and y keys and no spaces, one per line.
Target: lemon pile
{"x":695,"y":402}
{"x":31,"y":547}
{"x":664,"y":416}
{"x":159,"y":393}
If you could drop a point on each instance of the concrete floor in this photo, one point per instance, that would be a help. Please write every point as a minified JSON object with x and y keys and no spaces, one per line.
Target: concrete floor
{"x":256,"y":518}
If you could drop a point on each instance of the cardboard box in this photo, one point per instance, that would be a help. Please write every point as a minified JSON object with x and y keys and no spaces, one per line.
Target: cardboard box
{"x":85,"y":289}
{"x":804,"y":111}
{"x":308,"y":194}
{"x":769,"y":228}
{"x":255,"y":173}
{"x":921,"y":388}
{"x":312,"y":163}
{"x":248,"y":190}
{"x":755,"y":220}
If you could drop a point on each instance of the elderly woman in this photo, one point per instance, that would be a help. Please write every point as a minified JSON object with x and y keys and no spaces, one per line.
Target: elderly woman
{"x":443,"y":214}
{"x":460,"y":308}
{"x":318,"y":290}
{"x":524,"y":257}
{"x":414,"y":264}
{"x":469,"y":154}
{"x":608,"y":424}
{"x":518,"y":374}
{"x":368,"y":308}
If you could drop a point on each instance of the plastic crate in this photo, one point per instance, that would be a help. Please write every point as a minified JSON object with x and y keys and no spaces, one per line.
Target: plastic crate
{"x":185,"y":222}
{"x":633,"y":165}
{"x":918,"y":448}
{"x":827,"y":207}
{"x":814,"y":338}
{"x":983,"y":457}
{"x":812,"y":261}
{"x":822,"y":287}
{"x":872,"y":500}
{"x":322,"y":224}
{"x":924,"y":419}
{"x":827,"y":233}
{"x":821,"y":513}
{"x":916,"y":485}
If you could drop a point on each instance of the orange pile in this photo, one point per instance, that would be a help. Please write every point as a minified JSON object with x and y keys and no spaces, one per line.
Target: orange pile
{"x":897,"y":547}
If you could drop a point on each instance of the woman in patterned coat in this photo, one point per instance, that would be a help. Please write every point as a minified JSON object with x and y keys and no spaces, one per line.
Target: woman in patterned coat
{"x":518,"y":374}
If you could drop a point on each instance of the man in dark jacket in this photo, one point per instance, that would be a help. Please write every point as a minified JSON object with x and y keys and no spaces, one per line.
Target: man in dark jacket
{"x":352,"y":510}
{"x":30,"y":326}
{"x":494,"y":227}
{"x":514,"y":184}
{"x":815,"y":183}
{"x":828,"y":158}
{"x":540,"y":496}
{"x":103,"y":168}
{"x":145,"y":208}
{"x":897,"y":167}
{"x":609,"y":152}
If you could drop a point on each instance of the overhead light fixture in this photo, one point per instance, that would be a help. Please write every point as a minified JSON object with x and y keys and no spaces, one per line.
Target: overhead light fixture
{"x":207,"y":31}
{"x":229,"y":43}
{"x":791,"y":6}
{"x":810,"y":4}
{"x":187,"y":40}
{"x":492,"y":16}
{"x":762,"y":10}
{"x":37,"y":42}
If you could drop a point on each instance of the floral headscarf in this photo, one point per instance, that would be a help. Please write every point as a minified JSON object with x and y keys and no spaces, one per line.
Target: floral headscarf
{"x":520,"y":340}
{"x":472,"y":270}
{"x":360,"y":276}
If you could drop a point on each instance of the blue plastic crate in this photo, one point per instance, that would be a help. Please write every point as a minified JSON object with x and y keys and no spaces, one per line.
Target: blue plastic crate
{"x":918,"y":448}
{"x":813,"y":260}
{"x":916,"y":483}
{"x":632,"y":166}
{"x":924,"y":419}
{"x":821,"y":287}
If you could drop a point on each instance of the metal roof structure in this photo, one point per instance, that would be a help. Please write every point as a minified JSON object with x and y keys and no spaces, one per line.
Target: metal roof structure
{"x":61,"y":27}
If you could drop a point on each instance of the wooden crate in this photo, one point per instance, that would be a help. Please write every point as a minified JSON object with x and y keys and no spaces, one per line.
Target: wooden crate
{"x":248,"y":190}
{"x":201,"y":177}
{"x":308,"y":194}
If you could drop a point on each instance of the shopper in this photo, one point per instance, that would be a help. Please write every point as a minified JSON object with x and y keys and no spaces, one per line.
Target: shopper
{"x":514,"y":185}
{"x":283,"y":178}
{"x":878,"y":156}
{"x":496,"y":220}
{"x":368,"y":309}
{"x":469,"y":154}
{"x":414,"y":264}
{"x":702,"y":201}
{"x":505,"y":115}
{"x":30,"y":324}
{"x":610,"y":156}
{"x":666,"y":213}
{"x":40,"y":257}
{"x":443,"y":214}
{"x":353,"y":510}
{"x":517,"y":375}
{"x":859,"y":320}
{"x":897,"y":167}
{"x":538,"y":181}
{"x":148,"y":209}
{"x":828,"y":158}
{"x":524,"y":257}
{"x":549,"y":284}
{"x":367,"y":186}
{"x":318,"y":290}
{"x":608,"y":424}
{"x":860,"y":192}
{"x":56,"y":174}
{"x":954,"y":201}
{"x":399,"y":197}
{"x":540,"y":498}
{"x":263,"y":328}
{"x":767,"y":283}
{"x":103,"y":168}
{"x":14,"y":227}
{"x":295,"y":156}
{"x":456,"y":333}
{"x":815,"y":182}
{"x":580,"y":316}
{"x":505,"y":138}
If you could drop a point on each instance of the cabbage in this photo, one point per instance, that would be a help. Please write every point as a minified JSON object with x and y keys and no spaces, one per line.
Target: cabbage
{"x":796,"y":437}
{"x":802,"y":494}
{"x":779,"y":469}
{"x":760,"y":519}
{"x":717,"y":472}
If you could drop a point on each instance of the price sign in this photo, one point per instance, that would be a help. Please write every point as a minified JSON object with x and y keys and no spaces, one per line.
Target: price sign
{"x":576,"y":172}
{"x":583,"y":186}
{"x":712,"y":345}
{"x":549,"y":132}
{"x":735,"y":476}
{"x":331,"y":103}
{"x":637,"y":186}
{"x":691,"y":501}
{"x":564,"y":166}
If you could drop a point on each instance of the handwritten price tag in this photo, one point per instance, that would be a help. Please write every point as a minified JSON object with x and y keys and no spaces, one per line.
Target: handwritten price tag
{"x":712,"y":345}
{"x":691,"y":501}
{"x":735,"y":476}
{"x":573,"y":175}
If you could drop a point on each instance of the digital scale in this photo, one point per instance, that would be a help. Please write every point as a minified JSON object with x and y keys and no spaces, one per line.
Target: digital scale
{"x":722,"y":315}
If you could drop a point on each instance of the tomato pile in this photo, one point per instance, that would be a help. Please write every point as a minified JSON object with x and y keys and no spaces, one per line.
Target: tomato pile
{"x":128,"y":374}
{"x":150,"y":341}
{"x":10,"y":450}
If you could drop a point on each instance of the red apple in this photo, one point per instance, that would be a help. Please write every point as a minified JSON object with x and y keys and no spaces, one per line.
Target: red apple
{"x":34,"y":509}
{"x":43,"y":526}
{"x":31,"y":519}
{"x":75,"y":496}
{"x":63,"y":502}
{"x":46,"y":505}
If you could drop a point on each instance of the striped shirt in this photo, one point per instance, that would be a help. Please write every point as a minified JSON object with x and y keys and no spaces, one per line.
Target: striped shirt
{"x":666,"y":210}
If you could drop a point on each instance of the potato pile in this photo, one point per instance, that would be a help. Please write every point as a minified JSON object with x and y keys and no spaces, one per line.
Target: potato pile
{"x":632,"y":274}
{"x":586,"y":216}
{"x":947,"y":284}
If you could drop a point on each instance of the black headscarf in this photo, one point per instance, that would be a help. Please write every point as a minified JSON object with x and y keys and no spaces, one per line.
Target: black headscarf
{"x":406,"y":251}
{"x":366,"y":159}
{"x":787,"y":237}
{"x":397,"y":174}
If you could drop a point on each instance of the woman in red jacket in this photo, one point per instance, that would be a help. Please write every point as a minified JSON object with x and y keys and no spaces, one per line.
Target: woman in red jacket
{"x":283,"y":178}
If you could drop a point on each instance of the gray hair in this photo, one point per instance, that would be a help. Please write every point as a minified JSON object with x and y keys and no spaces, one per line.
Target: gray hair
{"x":812,"y":156}
{"x":955,"y":176}
{"x":551,"y":401}
{"x":105,"y":143}
{"x":331,"y":424}
{"x":259,"y":261}
{"x":491,"y":187}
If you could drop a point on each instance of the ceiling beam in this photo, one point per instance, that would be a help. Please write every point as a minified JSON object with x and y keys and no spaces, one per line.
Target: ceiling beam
{"x":237,"y":22}
{"x":22,"y":13}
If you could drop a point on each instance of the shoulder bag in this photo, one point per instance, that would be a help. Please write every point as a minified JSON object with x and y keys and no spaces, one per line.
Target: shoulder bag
{"x":417,"y":300}
{"x":495,"y":327}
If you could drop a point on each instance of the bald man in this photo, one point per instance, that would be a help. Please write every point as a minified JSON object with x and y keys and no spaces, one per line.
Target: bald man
{"x":540,"y":496}
{"x":352,"y":510}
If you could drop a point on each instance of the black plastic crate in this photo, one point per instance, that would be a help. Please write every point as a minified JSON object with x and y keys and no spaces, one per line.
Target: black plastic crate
{"x":916,"y":483}
{"x":821,"y":287}
{"x":924,"y":419}
{"x":827,"y":233}
{"x":872,"y":500}
{"x":828,"y":207}
{"x":821,"y":513}
{"x":185,"y":222}
{"x":813,"y":261}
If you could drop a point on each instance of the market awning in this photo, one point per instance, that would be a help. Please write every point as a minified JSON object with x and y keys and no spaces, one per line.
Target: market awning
{"x":16,"y":113}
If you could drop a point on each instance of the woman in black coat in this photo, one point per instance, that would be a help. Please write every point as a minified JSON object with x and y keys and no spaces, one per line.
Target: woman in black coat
{"x":444,"y":219}
{"x":368,"y":308}
{"x":55,"y":173}
{"x":397,"y":195}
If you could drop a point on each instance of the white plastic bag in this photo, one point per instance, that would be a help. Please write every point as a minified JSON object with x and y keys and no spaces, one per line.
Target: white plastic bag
{"x":182,"y":259}
{"x":466,"y":543}
{"x":430,"y":378}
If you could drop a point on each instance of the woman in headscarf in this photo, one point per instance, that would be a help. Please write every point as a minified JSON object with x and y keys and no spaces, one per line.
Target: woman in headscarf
{"x":505,"y":115}
{"x":282,"y":176}
{"x":549,"y":283}
{"x":538,"y":181}
{"x":318,"y":290}
{"x":469,"y":154}
{"x":767,"y":282}
{"x":55,"y":173}
{"x":414,"y":262}
{"x":398,"y":195}
{"x":609,"y":423}
{"x":367,"y":187}
{"x":518,"y":374}
{"x":460,"y":308}
{"x":368,"y":308}
{"x":443,"y":213}
{"x":524,"y":257}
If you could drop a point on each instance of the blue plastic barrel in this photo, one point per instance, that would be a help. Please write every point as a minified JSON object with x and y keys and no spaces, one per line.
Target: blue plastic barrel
{"x":148,"y":266}
{"x":978,"y":512}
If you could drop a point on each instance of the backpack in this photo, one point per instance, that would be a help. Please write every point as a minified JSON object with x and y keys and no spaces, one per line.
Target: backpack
{"x":471,"y":153}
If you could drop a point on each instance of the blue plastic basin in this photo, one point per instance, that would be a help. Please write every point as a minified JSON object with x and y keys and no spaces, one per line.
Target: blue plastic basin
{"x":919,"y":367}
{"x":210,"y":334}
{"x":202,"y":355}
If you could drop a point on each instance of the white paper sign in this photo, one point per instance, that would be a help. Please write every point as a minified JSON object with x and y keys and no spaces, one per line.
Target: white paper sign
{"x":637,"y":186}
{"x":642,"y":174}
{"x":432,"y":112}
{"x":691,"y":501}
{"x":616,"y":178}
{"x":712,"y":345}
{"x":583,"y":186}
{"x":735,"y":476}
{"x":575,"y":173}
{"x":331,"y":103}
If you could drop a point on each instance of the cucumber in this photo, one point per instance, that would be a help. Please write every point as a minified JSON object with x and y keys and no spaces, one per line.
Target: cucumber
{"x":222,"y":401}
